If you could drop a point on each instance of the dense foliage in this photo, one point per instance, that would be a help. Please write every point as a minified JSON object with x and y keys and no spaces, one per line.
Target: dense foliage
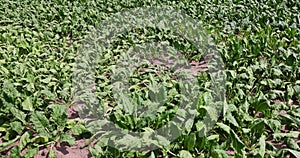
{"x":259,"y":42}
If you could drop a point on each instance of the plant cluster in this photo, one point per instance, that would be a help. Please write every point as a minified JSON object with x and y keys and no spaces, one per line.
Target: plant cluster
{"x":259,"y":42}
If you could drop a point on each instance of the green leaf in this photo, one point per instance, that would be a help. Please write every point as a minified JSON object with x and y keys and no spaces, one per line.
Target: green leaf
{"x":58,"y":114}
{"x":185,"y":154}
{"x":27,"y":104}
{"x":51,"y":154}
{"x":48,"y":93}
{"x":15,"y":152}
{"x":277,"y":72}
{"x":40,"y":139}
{"x":274,"y":125}
{"x":24,"y":140}
{"x":4,"y":145}
{"x":292,"y":144}
{"x":18,"y":114}
{"x":78,"y":129}
{"x":17,"y":126}
{"x":294,"y":152}
{"x":40,"y":123}
{"x":231,"y":119}
{"x":3,"y":70}
{"x":224,"y":127}
{"x":32,"y":151}
{"x":2,"y":129}
{"x":262,"y":105}
{"x":291,"y":134}
{"x":291,"y":118}
{"x":200,"y":126}
{"x":152,"y":155}
{"x":189,"y":142}
{"x":213,"y":137}
{"x":262,"y":145}
{"x":290,"y":60}
{"x":237,"y":144}
{"x":65,"y":137}
{"x":258,"y":126}
{"x":220,"y":154}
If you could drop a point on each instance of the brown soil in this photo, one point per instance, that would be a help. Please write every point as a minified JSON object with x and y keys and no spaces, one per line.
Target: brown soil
{"x":62,"y":150}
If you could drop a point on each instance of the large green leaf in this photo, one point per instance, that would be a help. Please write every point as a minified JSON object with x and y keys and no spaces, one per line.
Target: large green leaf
{"x":185,"y":154}
{"x":41,"y":123}
{"x":237,"y":144}
{"x":27,"y":104}
{"x":262,"y":145}
{"x":25,"y":139}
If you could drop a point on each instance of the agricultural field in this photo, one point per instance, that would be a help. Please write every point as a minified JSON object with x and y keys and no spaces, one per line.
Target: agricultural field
{"x":258,"y":42}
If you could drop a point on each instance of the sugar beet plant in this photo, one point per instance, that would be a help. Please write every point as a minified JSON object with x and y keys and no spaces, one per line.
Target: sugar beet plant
{"x":259,"y":42}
